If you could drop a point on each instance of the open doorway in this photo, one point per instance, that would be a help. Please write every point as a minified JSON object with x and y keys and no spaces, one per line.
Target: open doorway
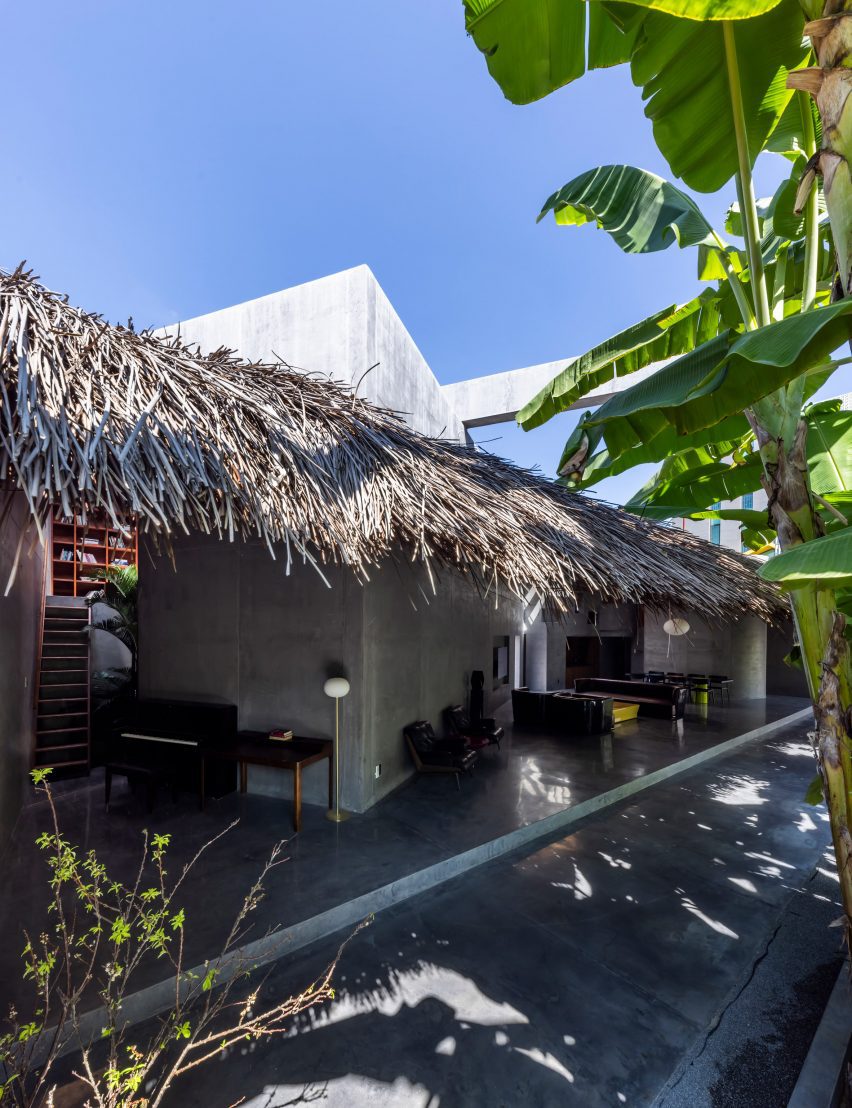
{"x":590,"y":656}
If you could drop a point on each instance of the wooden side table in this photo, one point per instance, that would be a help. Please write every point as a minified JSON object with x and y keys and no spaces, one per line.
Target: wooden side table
{"x":255,"y":748}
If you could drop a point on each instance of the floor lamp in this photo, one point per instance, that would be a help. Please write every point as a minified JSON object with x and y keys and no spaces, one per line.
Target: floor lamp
{"x":336,"y":687}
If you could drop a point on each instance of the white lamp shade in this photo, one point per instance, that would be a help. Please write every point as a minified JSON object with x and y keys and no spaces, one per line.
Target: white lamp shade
{"x":336,"y":687}
{"x":675,"y":626}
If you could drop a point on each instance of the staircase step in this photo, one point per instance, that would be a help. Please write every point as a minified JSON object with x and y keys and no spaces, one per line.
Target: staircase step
{"x":62,"y":708}
{"x":46,"y":748}
{"x":62,"y":673}
{"x":64,"y":711}
{"x":75,"y":763}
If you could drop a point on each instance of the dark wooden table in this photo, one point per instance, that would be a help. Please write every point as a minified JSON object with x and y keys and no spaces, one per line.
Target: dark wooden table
{"x":255,"y":748}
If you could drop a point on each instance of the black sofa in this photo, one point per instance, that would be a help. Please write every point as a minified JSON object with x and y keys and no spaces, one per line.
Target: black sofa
{"x":563,"y":711}
{"x":528,"y":707}
{"x":661,"y":700}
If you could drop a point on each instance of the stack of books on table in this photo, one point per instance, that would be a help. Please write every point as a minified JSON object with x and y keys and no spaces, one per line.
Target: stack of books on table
{"x":280,"y":736}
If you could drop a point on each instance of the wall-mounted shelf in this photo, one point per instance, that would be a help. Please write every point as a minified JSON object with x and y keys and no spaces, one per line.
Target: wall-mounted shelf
{"x":81,"y":553}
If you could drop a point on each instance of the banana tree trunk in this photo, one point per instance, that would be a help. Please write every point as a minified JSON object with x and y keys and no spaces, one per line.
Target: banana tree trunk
{"x":824,"y":648}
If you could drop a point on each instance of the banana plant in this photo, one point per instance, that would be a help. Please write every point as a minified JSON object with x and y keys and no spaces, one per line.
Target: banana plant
{"x":723,"y":81}
{"x":121,"y":620}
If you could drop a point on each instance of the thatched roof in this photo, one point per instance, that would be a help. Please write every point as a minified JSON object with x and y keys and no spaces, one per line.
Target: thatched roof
{"x":96,"y":416}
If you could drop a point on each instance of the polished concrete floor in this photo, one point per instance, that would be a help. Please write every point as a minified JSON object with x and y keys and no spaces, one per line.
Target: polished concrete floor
{"x":582,"y":971}
{"x":421,"y":825}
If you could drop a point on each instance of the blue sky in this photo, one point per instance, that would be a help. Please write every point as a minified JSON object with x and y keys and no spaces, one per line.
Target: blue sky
{"x":168,"y":159}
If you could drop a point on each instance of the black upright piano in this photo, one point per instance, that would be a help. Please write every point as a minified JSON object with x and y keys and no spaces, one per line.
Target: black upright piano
{"x":171,"y":736}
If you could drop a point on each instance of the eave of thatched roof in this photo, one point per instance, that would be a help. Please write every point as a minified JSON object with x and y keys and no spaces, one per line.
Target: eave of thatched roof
{"x":95,"y":416}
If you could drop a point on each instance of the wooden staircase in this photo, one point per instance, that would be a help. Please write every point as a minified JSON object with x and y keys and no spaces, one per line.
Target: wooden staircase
{"x":62,"y":735}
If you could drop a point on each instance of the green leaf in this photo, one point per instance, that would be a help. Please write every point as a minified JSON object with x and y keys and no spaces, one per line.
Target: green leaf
{"x":666,"y":445}
{"x":722,"y":377}
{"x":794,"y":658}
{"x":830,"y":451}
{"x":711,"y":261}
{"x":782,"y":220}
{"x":120,"y":931}
{"x":691,"y":492}
{"x":758,"y":542}
{"x":709,"y":9}
{"x":786,"y":138}
{"x":533,"y":47}
{"x":665,"y":334}
{"x":826,"y":562}
{"x":680,"y":65}
{"x":690,"y":482}
{"x":642,"y":212}
{"x":748,"y":516}
{"x":814,"y":793}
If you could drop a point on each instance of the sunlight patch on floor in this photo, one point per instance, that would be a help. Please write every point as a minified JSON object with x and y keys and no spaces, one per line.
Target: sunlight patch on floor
{"x":794,"y":750}
{"x":740,"y":790}
{"x":806,"y":823}
{"x":538,"y":783}
{"x":616,"y":863}
{"x":343,"y":1092}
{"x":743,"y":883}
{"x":580,"y":886}
{"x":714,"y":924}
{"x":408,"y":988}
{"x":547,"y":1060}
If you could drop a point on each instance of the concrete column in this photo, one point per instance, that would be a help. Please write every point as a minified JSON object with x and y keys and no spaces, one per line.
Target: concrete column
{"x":748,"y":658}
{"x":516,"y":660}
{"x":537,"y":656}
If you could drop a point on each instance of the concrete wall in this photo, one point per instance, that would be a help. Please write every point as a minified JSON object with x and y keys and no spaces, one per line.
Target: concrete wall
{"x":613,"y":621}
{"x":498,"y":397}
{"x":736,"y":649}
{"x":417,"y":663}
{"x":338,"y":326}
{"x":19,"y":615}
{"x":230,"y":626}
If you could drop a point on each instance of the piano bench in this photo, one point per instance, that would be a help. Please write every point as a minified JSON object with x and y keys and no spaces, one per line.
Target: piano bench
{"x":135,"y":771}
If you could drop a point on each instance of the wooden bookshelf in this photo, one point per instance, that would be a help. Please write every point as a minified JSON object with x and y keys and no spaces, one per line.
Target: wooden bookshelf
{"x":81,"y":552}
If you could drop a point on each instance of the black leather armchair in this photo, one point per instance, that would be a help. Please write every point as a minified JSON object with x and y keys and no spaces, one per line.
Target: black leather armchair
{"x":487,"y":732}
{"x":433,"y":755}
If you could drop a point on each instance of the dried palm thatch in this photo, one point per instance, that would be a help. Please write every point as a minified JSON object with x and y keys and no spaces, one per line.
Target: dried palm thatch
{"x":95,"y":416}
